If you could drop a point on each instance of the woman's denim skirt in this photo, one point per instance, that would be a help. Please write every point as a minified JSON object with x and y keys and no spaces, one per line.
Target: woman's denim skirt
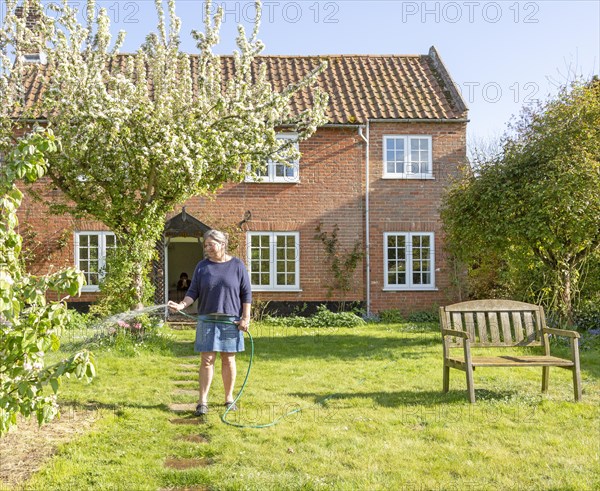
{"x":218,"y":333}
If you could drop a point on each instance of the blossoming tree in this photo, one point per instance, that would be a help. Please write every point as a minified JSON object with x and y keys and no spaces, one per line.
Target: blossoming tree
{"x":144,"y":132}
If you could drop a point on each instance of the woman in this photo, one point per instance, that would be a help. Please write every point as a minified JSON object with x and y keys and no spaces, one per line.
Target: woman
{"x":221,"y":284}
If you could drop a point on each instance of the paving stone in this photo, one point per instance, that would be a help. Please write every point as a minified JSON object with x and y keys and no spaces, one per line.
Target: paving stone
{"x":185,"y":392}
{"x":187,"y":367}
{"x":183,"y":326}
{"x":183,"y":407}
{"x":192,"y":421}
{"x":195,"y":438}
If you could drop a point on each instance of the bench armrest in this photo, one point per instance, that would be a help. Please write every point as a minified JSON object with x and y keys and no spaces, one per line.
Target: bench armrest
{"x":453,"y":332}
{"x":561,"y":332}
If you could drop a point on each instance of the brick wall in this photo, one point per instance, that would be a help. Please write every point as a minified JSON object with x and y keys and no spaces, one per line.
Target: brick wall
{"x":48,"y":239}
{"x":331,"y":190}
{"x":411,"y":205}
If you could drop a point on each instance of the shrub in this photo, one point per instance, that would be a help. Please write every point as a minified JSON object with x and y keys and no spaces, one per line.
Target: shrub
{"x":78,"y":320}
{"x":391,"y":316}
{"x":424,"y":316}
{"x":323,"y":318}
{"x":259,"y":310}
{"x":587,"y":316}
{"x":590,"y":340}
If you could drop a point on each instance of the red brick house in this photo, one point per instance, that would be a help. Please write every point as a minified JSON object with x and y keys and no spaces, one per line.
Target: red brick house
{"x":376,"y":170}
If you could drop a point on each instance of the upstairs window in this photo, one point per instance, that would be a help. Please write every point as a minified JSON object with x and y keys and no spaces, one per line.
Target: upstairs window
{"x":407,"y":157}
{"x":40,"y":58}
{"x":91,"y":252}
{"x":277,"y":171}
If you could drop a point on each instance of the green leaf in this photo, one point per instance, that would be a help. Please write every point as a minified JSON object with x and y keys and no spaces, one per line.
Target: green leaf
{"x":55,"y":342}
{"x":55,"y":384}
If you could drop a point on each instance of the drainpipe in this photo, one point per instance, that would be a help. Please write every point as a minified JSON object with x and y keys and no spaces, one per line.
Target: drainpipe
{"x":367,"y":219}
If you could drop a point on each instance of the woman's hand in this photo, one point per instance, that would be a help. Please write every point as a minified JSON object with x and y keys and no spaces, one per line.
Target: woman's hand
{"x":176,"y":306}
{"x":243,"y":324}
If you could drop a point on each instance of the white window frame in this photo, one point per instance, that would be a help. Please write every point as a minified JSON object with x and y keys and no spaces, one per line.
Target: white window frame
{"x":272,"y":236}
{"x":31,"y":58}
{"x":102,"y":250}
{"x":408,"y":174}
{"x":409,"y":285}
{"x":271,"y":166}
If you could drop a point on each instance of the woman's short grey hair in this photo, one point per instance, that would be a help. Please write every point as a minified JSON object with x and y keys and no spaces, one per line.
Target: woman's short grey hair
{"x":217,"y":236}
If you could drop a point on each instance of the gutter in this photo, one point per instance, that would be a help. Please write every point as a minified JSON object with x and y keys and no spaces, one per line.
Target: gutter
{"x":367,"y":215}
{"x":29,"y":120}
{"x":419,"y":120}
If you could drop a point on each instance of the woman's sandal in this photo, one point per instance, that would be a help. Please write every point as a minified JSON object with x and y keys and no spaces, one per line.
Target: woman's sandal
{"x":201,"y":410}
{"x":230,"y":406}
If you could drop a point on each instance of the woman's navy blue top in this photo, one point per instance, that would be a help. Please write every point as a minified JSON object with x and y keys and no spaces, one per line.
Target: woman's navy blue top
{"x":221,"y":288}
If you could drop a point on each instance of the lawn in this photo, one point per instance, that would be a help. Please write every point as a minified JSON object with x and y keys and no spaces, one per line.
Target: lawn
{"x":373,"y":417}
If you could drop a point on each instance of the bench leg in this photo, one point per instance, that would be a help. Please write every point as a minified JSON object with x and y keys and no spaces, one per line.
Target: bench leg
{"x":470,"y":386}
{"x":446,"y":378}
{"x":545,"y":378}
{"x":577,"y":383}
{"x":576,"y":369}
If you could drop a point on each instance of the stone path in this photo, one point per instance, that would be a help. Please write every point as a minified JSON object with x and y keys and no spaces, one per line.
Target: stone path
{"x":194,"y":438}
{"x":187,"y":388}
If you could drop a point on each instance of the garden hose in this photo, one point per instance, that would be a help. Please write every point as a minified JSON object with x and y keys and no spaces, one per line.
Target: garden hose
{"x":239,"y":394}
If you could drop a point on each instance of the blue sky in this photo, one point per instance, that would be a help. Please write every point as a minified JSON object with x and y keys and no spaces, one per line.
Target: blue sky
{"x":501,"y":54}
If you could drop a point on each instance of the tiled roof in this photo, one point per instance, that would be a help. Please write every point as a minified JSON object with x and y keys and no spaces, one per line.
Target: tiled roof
{"x":360,"y":87}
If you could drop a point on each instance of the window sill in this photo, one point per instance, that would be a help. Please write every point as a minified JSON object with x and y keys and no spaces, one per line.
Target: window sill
{"x":273,"y":182}
{"x":409,"y":177}
{"x":409,"y":289}
{"x":276,"y":290}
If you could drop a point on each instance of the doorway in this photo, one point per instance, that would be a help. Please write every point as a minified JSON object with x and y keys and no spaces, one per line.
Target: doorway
{"x":182,"y":250}
{"x":182,"y":254}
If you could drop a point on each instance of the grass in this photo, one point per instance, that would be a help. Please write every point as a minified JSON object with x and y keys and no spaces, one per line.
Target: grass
{"x":373,"y":417}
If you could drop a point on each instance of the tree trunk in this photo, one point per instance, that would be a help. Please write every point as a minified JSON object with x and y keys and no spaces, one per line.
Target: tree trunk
{"x":141,"y":249}
{"x":138,"y":285}
{"x":566,"y":304}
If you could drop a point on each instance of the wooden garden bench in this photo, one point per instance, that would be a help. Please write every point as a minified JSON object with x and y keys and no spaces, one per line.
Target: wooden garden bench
{"x":501,"y":324}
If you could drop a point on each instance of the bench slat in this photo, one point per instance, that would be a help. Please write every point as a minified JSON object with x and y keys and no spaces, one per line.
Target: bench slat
{"x":482,"y":326}
{"x":470,"y":325}
{"x":493,"y":326}
{"x":529,"y":325}
{"x":457,"y":324}
{"x":507,"y":337}
{"x":518,"y":326}
{"x":515,"y":361}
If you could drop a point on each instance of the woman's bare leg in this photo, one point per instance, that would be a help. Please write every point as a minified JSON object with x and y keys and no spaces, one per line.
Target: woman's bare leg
{"x":228,"y":372}
{"x":207,"y":370}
